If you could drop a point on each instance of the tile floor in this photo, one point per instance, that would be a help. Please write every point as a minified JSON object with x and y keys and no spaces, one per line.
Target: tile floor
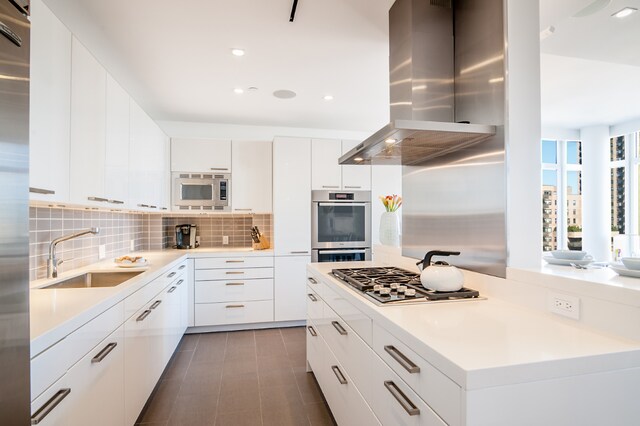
{"x":238,"y":378}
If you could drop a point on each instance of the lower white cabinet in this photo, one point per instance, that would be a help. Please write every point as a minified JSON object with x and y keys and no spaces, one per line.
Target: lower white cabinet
{"x":52,"y":406}
{"x":234,"y":312}
{"x":290,"y":287}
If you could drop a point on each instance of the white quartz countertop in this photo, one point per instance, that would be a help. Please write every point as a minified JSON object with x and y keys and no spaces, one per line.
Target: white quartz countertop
{"x":491,"y":342}
{"x":55,"y":313}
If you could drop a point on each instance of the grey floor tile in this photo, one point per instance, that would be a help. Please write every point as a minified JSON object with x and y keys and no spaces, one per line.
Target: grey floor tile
{"x":276,"y":378}
{"x":241,"y":364}
{"x":280,"y":396}
{"x":271,"y":363}
{"x":291,"y":415}
{"x":271,"y":347}
{"x":309,"y":389}
{"x":319,"y":415}
{"x":161,"y":403}
{"x":194,"y":410}
{"x":188,"y":342}
{"x":239,"y":393}
{"x":239,"y":418}
{"x":241,"y":338}
{"x":177,"y":367}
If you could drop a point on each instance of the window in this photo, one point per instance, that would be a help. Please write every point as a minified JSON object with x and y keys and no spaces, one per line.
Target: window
{"x":625,"y":161}
{"x":561,"y":186}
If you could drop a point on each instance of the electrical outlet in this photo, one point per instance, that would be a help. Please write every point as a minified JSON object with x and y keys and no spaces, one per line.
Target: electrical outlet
{"x":565,"y":305}
{"x":132,"y":245}
{"x":102,"y":251}
{"x":225,"y":239}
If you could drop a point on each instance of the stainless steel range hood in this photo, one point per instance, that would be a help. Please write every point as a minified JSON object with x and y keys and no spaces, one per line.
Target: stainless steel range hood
{"x":422,"y":91}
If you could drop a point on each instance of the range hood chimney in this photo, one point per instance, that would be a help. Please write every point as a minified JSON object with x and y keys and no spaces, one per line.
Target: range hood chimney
{"x":422,"y":91}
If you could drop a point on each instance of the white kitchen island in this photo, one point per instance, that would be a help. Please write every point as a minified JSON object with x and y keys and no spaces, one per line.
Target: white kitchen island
{"x":481,"y":362}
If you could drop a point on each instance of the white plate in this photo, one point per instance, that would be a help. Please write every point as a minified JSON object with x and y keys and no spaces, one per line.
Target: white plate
{"x":567,"y":262}
{"x":621,"y":270}
{"x":138,"y":264}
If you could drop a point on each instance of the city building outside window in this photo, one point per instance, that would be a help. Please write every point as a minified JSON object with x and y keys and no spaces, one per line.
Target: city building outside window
{"x":625,"y":186}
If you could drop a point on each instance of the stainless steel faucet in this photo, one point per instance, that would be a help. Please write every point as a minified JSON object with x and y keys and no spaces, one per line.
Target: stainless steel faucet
{"x":52,"y":262}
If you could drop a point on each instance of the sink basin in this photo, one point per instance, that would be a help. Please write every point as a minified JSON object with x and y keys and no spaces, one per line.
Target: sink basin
{"x":96,"y":279}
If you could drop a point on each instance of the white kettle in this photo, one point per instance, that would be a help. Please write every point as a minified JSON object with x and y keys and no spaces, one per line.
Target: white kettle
{"x":440,"y":276}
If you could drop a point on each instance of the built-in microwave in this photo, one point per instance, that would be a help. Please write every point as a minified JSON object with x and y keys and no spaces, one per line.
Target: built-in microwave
{"x":201,"y":191}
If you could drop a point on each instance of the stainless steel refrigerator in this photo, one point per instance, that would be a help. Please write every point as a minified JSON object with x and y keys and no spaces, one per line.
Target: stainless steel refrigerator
{"x":14,"y":215}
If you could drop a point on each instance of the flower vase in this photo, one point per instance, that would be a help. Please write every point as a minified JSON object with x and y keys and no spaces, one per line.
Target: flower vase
{"x":389,"y":232}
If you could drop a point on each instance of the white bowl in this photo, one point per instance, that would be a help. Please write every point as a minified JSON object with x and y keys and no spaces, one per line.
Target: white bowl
{"x":631,"y":262}
{"x":569,"y":254}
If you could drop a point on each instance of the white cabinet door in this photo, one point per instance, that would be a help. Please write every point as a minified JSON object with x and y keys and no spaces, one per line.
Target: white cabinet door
{"x":97,"y":384}
{"x":200,"y":155}
{"x":251,"y":181}
{"x":49,"y":104}
{"x":291,"y":287}
{"x":88,"y":117}
{"x":116,"y":174}
{"x":355,"y":177}
{"x":325,"y":170}
{"x":51,"y":408}
{"x":292,"y":206}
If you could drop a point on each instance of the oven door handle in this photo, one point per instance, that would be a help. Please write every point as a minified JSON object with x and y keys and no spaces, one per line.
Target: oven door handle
{"x":340,"y":251}
{"x":344,"y":204}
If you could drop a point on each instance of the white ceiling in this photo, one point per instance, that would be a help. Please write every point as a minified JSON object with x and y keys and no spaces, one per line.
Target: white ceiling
{"x":175,"y":60}
{"x":590,"y":66}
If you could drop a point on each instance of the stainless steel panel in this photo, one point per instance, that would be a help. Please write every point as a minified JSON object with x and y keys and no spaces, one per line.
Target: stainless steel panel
{"x":315,"y":254}
{"x":14,"y":216}
{"x":315,"y":217}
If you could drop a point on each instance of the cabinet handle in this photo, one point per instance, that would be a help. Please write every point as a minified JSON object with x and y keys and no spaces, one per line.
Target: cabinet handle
{"x":339,"y":328}
{"x":299,"y":252}
{"x":41,"y":191}
{"x":48,"y":406}
{"x":173,"y":274}
{"x":402,"y":359}
{"x":339,"y":375}
{"x":243,"y":210}
{"x":234,"y":306}
{"x":100,"y":199}
{"x":155,"y":304}
{"x":172,"y":289}
{"x":352,"y":187}
{"x":311,"y":280}
{"x":143,"y":205}
{"x":405,"y":402}
{"x":179,"y":282}
{"x":182,"y":267}
{"x":144,"y":315}
{"x":235,"y":272}
{"x":104,"y":352}
{"x":330,"y":186}
{"x":312,"y":331}
{"x":219,"y":168}
{"x":312,"y":297}
{"x":234,"y":284}
{"x":153,"y":207}
{"x":163,"y":208}
{"x":115,"y":201}
{"x":234,"y":261}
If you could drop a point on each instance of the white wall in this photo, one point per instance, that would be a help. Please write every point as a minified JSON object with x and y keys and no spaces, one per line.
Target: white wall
{"x":558,"y":133}
{"x":627,"y":127}
{"x":385,"y":180}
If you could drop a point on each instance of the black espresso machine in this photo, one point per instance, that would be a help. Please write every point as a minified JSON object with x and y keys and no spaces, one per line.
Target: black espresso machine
{"x":186,"y":236}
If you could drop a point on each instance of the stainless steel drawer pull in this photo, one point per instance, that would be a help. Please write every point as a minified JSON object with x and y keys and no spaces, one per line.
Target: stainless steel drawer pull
{"x":153,"y":207}
{"x":235,"y":272}
{"x":299,"y":252}
{"x":401,"y":358}
{"x":48,"y":406}
{"x":331,"y":186}
{"x":155,"y":304}
{"x":179,"y":282}
{"x":41,"y":191}
{"x":234,"y":306}
{"x":104,"y":352}
{"x":352,"y":187}
{"x":405,"y":402}
{"x":144,"y":315}
{"x":173,"y":274}
{"x":339,"y":375}
{"x":172,"y":289}
{"x":312,"y":297}
{"x":234,"y":284}
{"x":219,"y":168}
{"x":312,"y":281}
{"x":234,"y":261}
{"x":339,"y":328}
{"x":97,"y":199}
{"x":312,"y":331}
{"x":182,"y":267}
{"x":243,"y":210}
{"x":143,"y":205}
{"x":115,"y":201}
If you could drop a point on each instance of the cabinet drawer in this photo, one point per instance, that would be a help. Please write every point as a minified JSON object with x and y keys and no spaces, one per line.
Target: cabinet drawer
{"x":440,"y":392}
{"x":233,"y":290}
{"x":140,"y":298}
{"x":234,"y":262}
{"x":358,"y":321}
{"x":233,"y":313}
{"x":314,"y":305}
{"x":52,"y":406}
{"x":52,"y":364}
{"x":393,"y":401}
{"x":233,"y":274}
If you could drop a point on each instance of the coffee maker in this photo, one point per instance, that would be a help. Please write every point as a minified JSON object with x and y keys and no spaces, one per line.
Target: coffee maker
{"x":186,"y":236}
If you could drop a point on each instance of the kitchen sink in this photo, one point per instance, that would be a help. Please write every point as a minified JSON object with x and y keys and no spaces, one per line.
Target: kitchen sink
{"x":96,"y":279}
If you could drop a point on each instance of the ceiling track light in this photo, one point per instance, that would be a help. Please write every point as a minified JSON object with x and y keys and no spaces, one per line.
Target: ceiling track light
{"x":293,"y":11}
{"x":623,"y":13}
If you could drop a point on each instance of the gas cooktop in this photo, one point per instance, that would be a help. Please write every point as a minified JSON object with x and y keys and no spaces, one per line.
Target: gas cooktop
{"x":391,"y":285}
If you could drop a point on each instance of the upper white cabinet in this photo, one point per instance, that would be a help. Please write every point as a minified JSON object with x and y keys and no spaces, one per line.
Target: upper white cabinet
{"x":355,"y":177}
{"x":328,"y":174}
{"x":251,"y":188}
{"x":116,"y":175}
{"x":325,"y":170}
{"x":50,"y":99}
{"x":88,"y":126}
{"x":201,"y":155}
{"x":292,"y":195}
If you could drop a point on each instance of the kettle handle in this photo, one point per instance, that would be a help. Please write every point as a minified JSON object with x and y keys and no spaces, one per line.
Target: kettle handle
{"x":427,"y":257}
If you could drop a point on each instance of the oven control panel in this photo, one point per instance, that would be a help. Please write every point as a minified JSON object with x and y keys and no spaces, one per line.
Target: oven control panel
{"x":341,"y":196}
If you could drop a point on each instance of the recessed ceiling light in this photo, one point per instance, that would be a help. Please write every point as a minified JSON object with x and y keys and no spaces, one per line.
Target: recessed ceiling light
{"x":390,"y":140}
{"x":284,"y":94}
{"x":623,"y":13}
{"x":237,"y":52}
{"x":328,"y":97}
{"x":238,"y":90}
